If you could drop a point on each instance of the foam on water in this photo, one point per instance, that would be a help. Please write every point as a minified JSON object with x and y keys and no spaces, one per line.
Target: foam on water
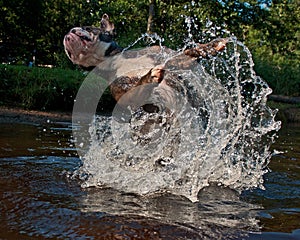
{"x":208,"y":123}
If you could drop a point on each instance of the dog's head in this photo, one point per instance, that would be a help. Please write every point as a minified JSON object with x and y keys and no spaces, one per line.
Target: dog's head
{"x":87,"y":46}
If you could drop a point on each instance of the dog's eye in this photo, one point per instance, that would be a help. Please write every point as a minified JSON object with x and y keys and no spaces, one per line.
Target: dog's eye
{"x":85,"y":38}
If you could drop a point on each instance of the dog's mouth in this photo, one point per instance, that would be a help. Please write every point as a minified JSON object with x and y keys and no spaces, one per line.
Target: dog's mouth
{"x":80,"y":35}
{"x":71,"y":36}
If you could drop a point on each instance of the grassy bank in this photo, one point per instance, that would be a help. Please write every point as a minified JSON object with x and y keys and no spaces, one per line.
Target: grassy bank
{"x":281,"y":73}
{"x":49,"y":89}
{"x":42,"y":88}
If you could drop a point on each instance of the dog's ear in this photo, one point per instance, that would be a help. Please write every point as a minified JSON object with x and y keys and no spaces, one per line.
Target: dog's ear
{"x":106,"y":25}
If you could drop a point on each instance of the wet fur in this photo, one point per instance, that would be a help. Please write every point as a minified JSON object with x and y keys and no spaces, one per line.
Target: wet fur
{"x":89,"y":46}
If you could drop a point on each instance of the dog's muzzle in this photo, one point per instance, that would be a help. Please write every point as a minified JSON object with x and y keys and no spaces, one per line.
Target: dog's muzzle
{"x":81,"y":37}
{"x":75,"y":41}
{"x":77,"y":34}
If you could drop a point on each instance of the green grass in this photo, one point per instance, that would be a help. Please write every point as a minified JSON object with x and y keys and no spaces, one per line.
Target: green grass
{"x":42,"y":88}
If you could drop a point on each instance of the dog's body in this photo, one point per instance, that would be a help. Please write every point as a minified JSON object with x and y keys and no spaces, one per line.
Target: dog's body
{"x":141,"y":81}
{"x":90,"y":46}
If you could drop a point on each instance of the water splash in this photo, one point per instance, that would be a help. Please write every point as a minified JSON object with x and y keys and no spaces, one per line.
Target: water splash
{"x":149,"y":38}
{"x":207,"y":122}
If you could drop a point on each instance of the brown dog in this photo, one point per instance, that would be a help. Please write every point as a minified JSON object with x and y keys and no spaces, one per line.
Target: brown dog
{"x":90,"y":46}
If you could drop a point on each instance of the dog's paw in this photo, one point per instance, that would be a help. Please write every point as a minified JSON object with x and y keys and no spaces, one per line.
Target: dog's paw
{"x":157,"y":74}
{"x":220,"y":44}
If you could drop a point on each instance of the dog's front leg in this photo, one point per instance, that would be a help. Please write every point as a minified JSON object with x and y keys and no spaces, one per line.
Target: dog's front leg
{"x":155,"y":75}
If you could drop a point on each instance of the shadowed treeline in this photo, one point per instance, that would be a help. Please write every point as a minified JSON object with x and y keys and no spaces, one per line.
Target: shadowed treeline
{"x":32,"y":31}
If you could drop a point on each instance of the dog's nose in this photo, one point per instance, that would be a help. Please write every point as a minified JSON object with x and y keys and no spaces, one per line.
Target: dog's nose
{"x":73,"y":31}
{"x":67,"y":38}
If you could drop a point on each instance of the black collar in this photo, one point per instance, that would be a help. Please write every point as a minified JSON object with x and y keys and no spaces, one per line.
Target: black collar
{"x":113,"y":49}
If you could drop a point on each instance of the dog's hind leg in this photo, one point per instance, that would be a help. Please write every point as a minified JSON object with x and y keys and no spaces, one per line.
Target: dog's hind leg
{"x":208,"y":49}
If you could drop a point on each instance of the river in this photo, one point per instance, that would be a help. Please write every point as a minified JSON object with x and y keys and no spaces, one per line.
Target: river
{"x":41,"y":200}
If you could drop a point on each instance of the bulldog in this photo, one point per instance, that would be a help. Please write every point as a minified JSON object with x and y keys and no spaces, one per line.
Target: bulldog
{"x":90,"y":46}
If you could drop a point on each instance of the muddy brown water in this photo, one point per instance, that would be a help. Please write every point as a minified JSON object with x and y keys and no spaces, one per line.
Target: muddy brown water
{"x":40,"y":201}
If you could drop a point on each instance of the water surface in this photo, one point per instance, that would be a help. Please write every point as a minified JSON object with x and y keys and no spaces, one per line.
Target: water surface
{"x":40,"y":201}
